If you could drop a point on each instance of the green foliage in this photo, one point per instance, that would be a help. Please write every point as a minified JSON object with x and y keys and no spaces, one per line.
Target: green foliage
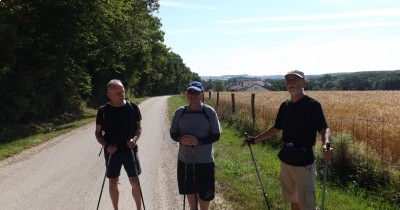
{"x":351,"y":166}
{"x":379,"y":80}
{"x":218,"y":85}
{"x":56,"y":54}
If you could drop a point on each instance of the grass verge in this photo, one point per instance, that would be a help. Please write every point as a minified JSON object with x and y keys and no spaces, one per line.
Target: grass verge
{"x":42,"y":134}
{"x":39,"y":133}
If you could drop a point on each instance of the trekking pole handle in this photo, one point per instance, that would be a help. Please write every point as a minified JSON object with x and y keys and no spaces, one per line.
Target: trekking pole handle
{"x":328,"y":146}
{"x":249,"y":139}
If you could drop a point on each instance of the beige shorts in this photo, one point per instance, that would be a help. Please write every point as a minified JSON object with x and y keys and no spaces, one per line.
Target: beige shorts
{"x":298,"y":185}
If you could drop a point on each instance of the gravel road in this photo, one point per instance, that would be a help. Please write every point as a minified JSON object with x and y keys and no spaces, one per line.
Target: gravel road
{"x":66,"y":172}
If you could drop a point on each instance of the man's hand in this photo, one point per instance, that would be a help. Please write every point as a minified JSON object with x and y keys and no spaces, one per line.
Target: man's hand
{"x":249,"y":140}
{"x":111,"y":149}
{"x":189,"y":140}
{"x":132,"y":143}
{"x":328,"y":152}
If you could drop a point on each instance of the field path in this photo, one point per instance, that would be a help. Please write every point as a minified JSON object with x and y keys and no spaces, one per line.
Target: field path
{"x":66,"y":173}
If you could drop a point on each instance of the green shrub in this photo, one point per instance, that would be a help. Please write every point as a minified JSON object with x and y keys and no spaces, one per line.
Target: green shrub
{"x":352,"y":166}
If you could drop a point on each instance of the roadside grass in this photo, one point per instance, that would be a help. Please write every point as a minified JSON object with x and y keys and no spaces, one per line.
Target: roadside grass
{"x":42,"y":133}
{"x":174,"y":102}
{"x":18,"y":140}
{"x":237,"y":179}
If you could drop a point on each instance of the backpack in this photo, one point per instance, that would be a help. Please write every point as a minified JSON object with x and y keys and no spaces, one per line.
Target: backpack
{"x":104,"y":113}
{"x":202,"y":111}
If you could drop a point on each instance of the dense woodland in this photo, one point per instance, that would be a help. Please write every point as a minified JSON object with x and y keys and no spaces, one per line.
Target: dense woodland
{"x":376,"y":80}
{"x":57,"y":55}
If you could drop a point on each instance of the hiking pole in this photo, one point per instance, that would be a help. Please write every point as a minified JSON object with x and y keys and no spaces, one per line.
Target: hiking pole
{"x":137,"y":173}
{"x":194,"y":177}
{"x":184,"y":187}
{"x":104,"y":180}
{"x":328,"y":147}
{"x":258,"y":175}
{"x":100,"y":150}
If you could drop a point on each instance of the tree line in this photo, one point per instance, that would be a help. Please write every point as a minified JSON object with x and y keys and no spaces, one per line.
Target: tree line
{"x":57,"y":54}
{"x":368,"y":80}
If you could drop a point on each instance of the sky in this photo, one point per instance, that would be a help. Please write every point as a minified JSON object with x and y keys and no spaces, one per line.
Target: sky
{"x":272,"y":37}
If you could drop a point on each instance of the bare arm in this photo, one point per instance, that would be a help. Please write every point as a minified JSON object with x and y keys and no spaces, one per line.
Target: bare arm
{"x":132,"y":142}
{"x":99,"y":136}
{"x":138,"y":131}
{"x":267,"y":134}
{"x":325,"y":136}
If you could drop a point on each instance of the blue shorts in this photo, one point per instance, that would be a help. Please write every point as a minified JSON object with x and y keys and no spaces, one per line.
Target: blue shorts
{"x":123,"y":158}
{"x":203,"y":182}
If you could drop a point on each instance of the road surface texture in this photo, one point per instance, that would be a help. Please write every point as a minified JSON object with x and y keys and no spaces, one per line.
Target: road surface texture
{"x":67,"y":173}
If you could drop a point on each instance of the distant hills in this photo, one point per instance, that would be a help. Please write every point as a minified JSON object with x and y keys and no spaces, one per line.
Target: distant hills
{"x":263,"y":77}
{"x":365,"y":80}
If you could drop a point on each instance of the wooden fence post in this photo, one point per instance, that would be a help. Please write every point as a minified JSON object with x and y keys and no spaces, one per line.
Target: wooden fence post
{"x":233,"y":102}
{"x":217,"y":99}
{"x":382,"y":139}
{"x":233,"y":107}
{"x":253,"y":112}
{"x":209,"y":95}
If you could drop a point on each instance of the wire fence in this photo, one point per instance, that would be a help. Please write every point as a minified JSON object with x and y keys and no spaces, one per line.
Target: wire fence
{"x":380,"y":138}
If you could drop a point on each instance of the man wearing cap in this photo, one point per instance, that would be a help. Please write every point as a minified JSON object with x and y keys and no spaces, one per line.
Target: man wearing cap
{"x":300,"y":118}
{"x":196,"y":126}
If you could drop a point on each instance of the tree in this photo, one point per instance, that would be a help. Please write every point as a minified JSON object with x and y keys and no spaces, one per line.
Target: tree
{"x":56,"y":54}
{"x":218,"y":85}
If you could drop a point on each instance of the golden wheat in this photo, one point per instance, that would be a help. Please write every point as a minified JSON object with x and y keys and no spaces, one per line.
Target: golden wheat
{"x":371,"y":117}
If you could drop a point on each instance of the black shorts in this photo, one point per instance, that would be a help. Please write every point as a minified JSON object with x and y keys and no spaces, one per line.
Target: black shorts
{"x":124,"y":158}
{"x":204,"y":179}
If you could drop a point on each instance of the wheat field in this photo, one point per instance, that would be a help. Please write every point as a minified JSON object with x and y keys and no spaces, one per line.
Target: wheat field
{"x":370,"y":117}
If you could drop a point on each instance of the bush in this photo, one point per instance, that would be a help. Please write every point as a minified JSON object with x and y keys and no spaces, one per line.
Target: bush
{"x":351,"y":165}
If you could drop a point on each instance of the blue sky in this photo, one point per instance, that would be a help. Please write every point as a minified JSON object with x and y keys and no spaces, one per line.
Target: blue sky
{"x":268,"y":37}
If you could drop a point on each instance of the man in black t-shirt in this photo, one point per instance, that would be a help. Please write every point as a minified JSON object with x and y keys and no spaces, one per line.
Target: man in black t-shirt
{"x":300,"y":118}
{"x":118,"y":130}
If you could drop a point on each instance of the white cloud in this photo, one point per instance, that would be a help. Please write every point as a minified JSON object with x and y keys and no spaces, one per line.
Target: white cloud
{"x":390,"y":12}
{"x":180,"y":5}
{"x":260,"y":30}
{"x":342,"y":55}
{"x":316,"y":27}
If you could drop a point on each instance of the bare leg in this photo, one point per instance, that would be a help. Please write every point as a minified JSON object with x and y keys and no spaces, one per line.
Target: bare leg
{"x":295,"y":206}
{"x":114,"y":193}
{"x":192,"y":201}
{"x":136,"y":192}
{"x":204,"y":205}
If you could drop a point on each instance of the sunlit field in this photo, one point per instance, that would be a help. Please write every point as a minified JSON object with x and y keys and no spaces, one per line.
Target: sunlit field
{"x":371,"y":117}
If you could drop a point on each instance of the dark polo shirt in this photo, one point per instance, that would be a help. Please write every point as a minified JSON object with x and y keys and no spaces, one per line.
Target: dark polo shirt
{"x":300,"y":122}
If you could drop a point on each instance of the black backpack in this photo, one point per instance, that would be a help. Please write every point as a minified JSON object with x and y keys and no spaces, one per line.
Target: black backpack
{"x":104,"y":113}
{"x":202,"y":111}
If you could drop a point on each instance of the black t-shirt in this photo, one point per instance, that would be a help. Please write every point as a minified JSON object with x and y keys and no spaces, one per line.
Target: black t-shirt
{"x":119,"y":123}
{"x":300,"y":122}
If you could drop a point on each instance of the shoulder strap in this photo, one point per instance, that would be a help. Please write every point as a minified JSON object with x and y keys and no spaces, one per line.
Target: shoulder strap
{"x":103,"y":115}
{"x":183,"y":112}
{"x":203,"y":111}
{"x":104,"y":108}
{"x":130,"y":105}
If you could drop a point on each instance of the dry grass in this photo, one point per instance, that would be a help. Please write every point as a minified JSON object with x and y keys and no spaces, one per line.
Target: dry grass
{"x":371,"y":117}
